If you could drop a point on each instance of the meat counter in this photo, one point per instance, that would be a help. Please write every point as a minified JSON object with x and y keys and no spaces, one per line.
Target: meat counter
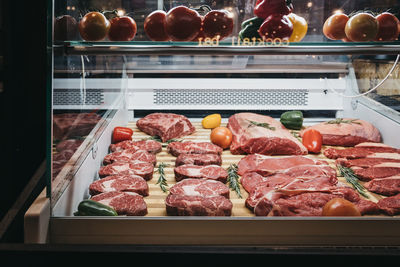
{"x":239,"y":65}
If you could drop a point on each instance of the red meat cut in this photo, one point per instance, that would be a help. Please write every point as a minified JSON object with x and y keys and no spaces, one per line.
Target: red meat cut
{"x":68,"y":125}
{"x":144,"y":170}
{"x":361,"y":152}
{"x":150,"y":146}
{"x":213,"y":172}
{"x":165,"y":125}
{"x":186,"y":205}
{"x":258,"y":134}
{"x":388,"y":186}
{"x":382,"y":170}
{"x":69,"y":144}
{"x":200,"y":187}
{"x":130,"y":155}
{"x":198,"y":159}
{"x":124,"y":203}
{"x":120,"y":183}
{"x":390,"y":205}
{"x":364,"y":162}
{"x":177,"y":148}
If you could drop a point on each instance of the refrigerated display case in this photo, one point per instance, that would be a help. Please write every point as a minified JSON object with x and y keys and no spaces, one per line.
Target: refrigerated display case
{"x":95,"y":86}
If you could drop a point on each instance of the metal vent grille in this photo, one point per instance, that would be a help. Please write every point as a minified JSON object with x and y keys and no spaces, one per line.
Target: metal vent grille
{"x":69,"y":97}
{"x":231,"y":97}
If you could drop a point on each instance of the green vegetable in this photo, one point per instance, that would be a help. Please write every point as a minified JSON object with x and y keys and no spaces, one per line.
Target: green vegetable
{"x":233,"y":179}
{"x":352,"y":179}
{"x":250,"y":28}
{"x":261,"y":124}
{"x":340,"y":120}
{"x":162,"y":181}
{"x":90,"y":207}
{"x":292,"y":120}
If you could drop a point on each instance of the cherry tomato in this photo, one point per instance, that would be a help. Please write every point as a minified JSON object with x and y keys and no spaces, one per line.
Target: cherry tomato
{"x":221,"y":136}
{"x":122,"y":29}
{"x":94,"y":26}
{"x":182,"y":24}
{"x":265,"y":8}
{"x":276,"y":26}
{"x":218,"y":23}
{"x":154,"y":26}
{"x":388,"y":27}
{"x":334,"y":27}
{"x":312,"y":140}
{"x":65,"y":28}
{"x":362,"y":27}
{"x":300,"y":28}
{"x":340,"y":207}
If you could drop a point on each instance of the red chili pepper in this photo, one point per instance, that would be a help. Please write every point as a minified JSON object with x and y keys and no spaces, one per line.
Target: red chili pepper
{"x":266,"y":8}
{"x":312,"y":140}
{"x":121,"y":134}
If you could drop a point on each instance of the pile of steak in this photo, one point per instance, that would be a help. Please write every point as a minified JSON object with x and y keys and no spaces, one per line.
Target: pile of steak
{"x":150,"y":146}
{"x":346,"y":132}
{"x":177,"y":148}
{"x":130,"y":155}
{"x":258,"y":134}
{"x":124,"y":203}
{"x":121,"y":183}
{"x":69,"y":125}
{"x":213,"y":172}
{"x":65,"y":150}
{"x":198,"y":159}
{"x":165,"y":125}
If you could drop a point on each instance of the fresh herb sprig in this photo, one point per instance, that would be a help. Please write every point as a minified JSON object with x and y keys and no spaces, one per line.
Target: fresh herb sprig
{"x":162,"y":181}
{"x":352,"y":179}
{"x":340,"y":120}
{"x":158,"y":139}
{"x":233,"y":179}
{"x":262,"y":124}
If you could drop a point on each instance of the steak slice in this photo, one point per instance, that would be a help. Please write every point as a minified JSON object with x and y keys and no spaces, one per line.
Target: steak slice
{"x":121,"y":183}
{"x":198,"y":159}
{"x":258,"y":134}
{"x":213,"y":172}
{"x":266,"y":165}
{"x":388,"y":186}
{"x":390,"y":205}
{"x":124,"y":203}
{"x":186,"y":205}
{"x":150,"y":146}
{"x":382,"y":170}
{"x":165,"y":125}
{"x":361,"y":152}
{"x":130,"y":155}
{"x":144,"y":170}
{"x":68,"y":125}
{"x":346,"y":134}
{"x":364,"y":162}
{"x":200,"y":187}
{"x":177,"y":148}
{"x":69,"y":144}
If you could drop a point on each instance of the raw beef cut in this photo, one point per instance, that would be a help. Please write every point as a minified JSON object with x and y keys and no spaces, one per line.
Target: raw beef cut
{"x":258,"y":134}
{"x":124,"y":203}
{"x":388,"y":186}
{"x":165,"y":125}
{"x":390,"y":205}
{"x":121,"y":183}
{"x":68,"y":125}
{"x":382,"y":146}
{"x":59,"y":160}
{"x":186,"y":205}
{"x":144,"y":170}
{"x":177,"y":148}
{"x":349,"y":132}
{"x":213,"y":172}
{"x":69,"y":144}
{"x":382,"y":170}
{"x":150,"y":146}
{"x":361,"y":152}
{"x":266,"y":165}
{"x":130,"y":155}
{"x":200,"y":187}
{"x":364,"y":162}
{"x":198,"y":159}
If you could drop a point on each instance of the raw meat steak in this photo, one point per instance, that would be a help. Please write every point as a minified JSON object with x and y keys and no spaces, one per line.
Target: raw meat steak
{"x":388,"y":186}
{"x":68,"y":125}
{"x":346,"y":134}
{"x":266,"y":165}
{"x":378,"y":145}
{"x":165,"y":125}
{"x":177,"y":148}
{"x":144,"y":170}
{"x":213,"y":172}
{"x":258,"y":134}
{"x":382,"y":170}
{"x":185,"y":205}
{"x":150,"y":146}
{"x":198,"y":159}
{"x":59,"y":161}
{"x":390,"y":205}
{"x":302,"y":172}
{"x":130,"y":155}
{"x":364,"y":162}
{"x":69,"y":144}
{"x":200,"y":187}
{"x":121,"y":183}
{"x":124,"y":203}
{"x":361,"y":152}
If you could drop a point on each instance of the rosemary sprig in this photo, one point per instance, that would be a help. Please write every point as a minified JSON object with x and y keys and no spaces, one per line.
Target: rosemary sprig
{"x":158,"y":139}
{"x":352,"y":179}
{"x":162,"y":181}
{"x":233,"y":179}
{"x":340,"y":120}
{"x":261,"y":124}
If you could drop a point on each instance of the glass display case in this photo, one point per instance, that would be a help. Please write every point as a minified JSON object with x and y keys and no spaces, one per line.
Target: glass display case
{"x":114,"y":62}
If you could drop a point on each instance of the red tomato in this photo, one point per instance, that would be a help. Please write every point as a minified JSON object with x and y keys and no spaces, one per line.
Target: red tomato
{"x":121,"y":134}
{"x":265,"y":8}
{"x":122,"y":29}
{"x":218,"y":23}
{"x":362,"y":27}
{"x":312,"y":140}
{"x":154,"y":26}
{"x":276,"y":26}
{"x":94,"y":26}
{"x":340,"y":207}
{"x":65,"y":28}
{"x":334,"y":27}
{"x":388,"y":27}
{"x":221,"y":136}
{"x":182,"y":24}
